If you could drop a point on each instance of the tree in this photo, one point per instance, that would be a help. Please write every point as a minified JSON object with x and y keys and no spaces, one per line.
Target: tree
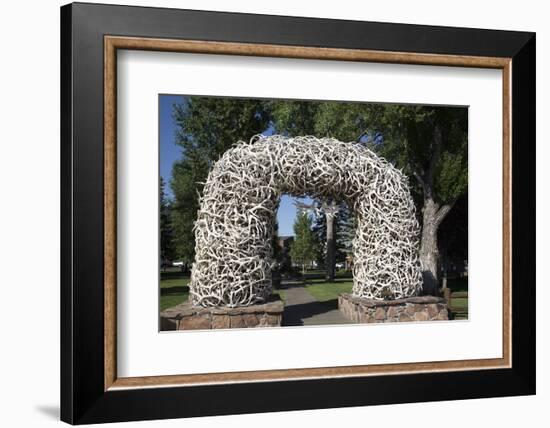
{"x":428,"y":143}
{"x":293,"y":118}
{"x":346,"y":232}
{"x":206,"y":128}
{"x":166,"y":231}
{"x":325,"y":229}
{"x":304,"y":247}
{"x":341,"y":237}
{"x":298,"y":118}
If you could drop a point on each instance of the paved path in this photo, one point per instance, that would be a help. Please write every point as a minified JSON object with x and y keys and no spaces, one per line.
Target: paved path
{"x":301,"y":308}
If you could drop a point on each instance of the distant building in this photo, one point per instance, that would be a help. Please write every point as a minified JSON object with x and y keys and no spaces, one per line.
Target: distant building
{"x":285,"y":242}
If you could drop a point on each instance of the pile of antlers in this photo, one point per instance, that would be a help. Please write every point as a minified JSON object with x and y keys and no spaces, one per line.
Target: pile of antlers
{"x":235,"y":223}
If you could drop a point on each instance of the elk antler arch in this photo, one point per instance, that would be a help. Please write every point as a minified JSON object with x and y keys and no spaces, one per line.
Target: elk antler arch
{"x":234,"y":228}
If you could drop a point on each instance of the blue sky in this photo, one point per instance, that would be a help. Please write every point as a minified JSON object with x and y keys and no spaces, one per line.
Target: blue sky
{"x":170,"y":153}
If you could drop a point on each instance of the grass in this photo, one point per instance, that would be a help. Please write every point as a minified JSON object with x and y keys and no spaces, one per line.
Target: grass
{"x":173,"y":291}
{"x":281,"y":293}
{"x":460,"y":302}
{"x":459,"y":305}
{"x":342,"y":273}
{"x":325,"y":291}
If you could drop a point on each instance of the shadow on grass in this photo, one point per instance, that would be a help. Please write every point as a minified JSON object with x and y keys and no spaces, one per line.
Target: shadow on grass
{"x":285,"y":285}
{"x":172,"y":291}
{"x":293,"y":283}
{"x":174,"y":275}
{"x":294,"y":315}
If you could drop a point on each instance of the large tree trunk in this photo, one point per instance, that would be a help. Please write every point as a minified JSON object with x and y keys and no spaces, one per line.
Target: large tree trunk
{"x":429,"y":253}
{"x":331,"y":248}
{"x":432,"y":216}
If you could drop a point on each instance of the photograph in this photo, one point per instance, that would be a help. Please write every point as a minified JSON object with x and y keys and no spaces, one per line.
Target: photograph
{"x":290,"y":212}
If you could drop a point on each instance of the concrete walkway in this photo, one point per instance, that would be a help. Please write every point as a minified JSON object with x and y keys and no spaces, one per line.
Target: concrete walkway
{"x":301,"y":308}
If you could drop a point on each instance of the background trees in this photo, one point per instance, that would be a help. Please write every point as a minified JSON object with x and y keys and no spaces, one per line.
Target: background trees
{"x":428,"y":143}
{"x":338,"y":235}
{"x":304,"y":248}
{"x":207,"y":127}
{"x":167,"y":250}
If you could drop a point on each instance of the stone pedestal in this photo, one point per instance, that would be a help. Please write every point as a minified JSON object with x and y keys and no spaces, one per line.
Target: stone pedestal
{"x":188,"y":317}
{"x":420,"y":308}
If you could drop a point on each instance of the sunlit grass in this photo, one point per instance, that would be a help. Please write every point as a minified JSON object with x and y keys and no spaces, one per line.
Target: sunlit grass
{"x":325,"y":291}
{"x":281,"y":293}
{"x":173,"y":291}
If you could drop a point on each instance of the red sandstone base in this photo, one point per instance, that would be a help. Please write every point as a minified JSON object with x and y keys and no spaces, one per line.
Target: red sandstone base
{"x":421,"y":308}
{"x":188,"y":317}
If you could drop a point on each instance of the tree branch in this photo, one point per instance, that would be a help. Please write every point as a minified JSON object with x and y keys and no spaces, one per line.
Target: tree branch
{"x":443,"y":211}
{"x":420,"y":180}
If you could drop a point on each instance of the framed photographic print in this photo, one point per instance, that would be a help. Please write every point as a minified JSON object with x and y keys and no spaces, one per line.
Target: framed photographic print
{"x":265,"y":213}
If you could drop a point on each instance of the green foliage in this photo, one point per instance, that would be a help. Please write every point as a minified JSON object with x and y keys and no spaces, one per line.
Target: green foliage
{"x":343,"y":121}
{"x":305,"y":246}
{"x":345,"y":231}
{"x":403,"y":134}
{"x":209,"y":125}
{"x":167,"y":248}
{"x":293,"y":117}
{"x":452,"y":175}
{"x":344,"y":225}
{"x":186,"y":177}
{"x":206,"y":128}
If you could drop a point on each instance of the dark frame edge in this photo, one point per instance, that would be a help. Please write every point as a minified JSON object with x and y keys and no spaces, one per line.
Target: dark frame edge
{"x":524,"y":219}
{"x":66,"y":304}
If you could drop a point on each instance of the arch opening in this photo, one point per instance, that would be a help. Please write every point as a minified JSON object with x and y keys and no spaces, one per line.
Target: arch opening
{"x":236,"y":219}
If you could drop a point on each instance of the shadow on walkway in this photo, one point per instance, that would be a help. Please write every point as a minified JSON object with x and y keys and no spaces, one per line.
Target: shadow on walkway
{"x":294,"y":315}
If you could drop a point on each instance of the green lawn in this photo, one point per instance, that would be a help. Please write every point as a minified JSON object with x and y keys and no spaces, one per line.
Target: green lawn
{"x":325,"y":291}
{"x":281,"y":293}
{"x":459,"y":304}
{"x":173,"y":291}
{"x":460,"y":308}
